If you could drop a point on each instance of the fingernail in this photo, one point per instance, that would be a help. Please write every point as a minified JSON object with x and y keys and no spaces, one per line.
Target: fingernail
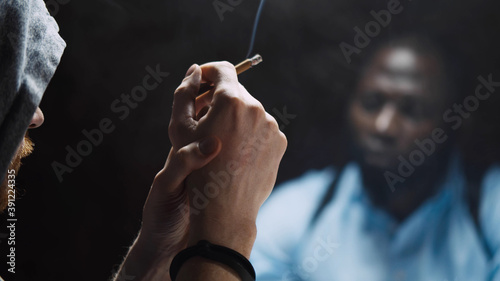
{"x":191,"y":70}
{"x":208,"y":145}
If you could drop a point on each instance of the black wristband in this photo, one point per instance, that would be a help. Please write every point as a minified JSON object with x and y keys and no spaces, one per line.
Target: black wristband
{"x":217,"y":253}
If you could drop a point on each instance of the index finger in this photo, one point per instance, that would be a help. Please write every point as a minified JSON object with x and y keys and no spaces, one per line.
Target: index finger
{"x":183,"y":109}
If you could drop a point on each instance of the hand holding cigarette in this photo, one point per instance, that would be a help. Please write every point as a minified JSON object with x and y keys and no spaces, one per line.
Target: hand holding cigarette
{"x":221,"y":168}
{"x":226,"y":194}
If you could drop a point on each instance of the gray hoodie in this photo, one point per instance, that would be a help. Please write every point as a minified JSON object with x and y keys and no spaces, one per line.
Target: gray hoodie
{"x":30,"y":50}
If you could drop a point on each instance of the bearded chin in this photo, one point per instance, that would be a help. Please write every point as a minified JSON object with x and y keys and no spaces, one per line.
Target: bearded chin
{"x":24,"y":150}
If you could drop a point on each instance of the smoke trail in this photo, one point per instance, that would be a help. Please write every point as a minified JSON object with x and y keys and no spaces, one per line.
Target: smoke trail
{"x":254,"y":31}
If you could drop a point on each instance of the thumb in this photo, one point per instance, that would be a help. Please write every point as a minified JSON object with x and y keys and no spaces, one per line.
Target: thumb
{"x":188,"y":158}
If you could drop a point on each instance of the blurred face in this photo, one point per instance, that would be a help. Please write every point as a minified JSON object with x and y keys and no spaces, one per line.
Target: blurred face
{"x":397,"y":100}
{"x":25,"y":148}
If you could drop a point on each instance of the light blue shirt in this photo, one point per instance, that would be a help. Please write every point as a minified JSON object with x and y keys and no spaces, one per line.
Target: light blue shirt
{"x":354,"y":240}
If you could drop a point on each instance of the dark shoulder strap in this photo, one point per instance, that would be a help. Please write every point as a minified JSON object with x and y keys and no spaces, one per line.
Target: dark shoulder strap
{"x":327,"y":198}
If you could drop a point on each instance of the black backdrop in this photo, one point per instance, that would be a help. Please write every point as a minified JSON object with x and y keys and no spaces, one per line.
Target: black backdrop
{"x":80,"y":228}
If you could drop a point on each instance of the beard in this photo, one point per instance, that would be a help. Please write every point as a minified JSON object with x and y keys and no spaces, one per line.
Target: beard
{"x":422,"y":182}
{"x":24,"y":149}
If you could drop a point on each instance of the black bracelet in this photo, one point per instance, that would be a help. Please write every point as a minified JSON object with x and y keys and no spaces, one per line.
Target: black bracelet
{"x":217,"y":253}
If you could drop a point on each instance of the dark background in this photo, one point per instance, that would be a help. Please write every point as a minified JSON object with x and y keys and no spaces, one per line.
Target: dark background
{"x":80,"y":228}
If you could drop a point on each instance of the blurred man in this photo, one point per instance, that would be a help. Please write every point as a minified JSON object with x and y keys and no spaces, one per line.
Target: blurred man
{"x":400,"y":210}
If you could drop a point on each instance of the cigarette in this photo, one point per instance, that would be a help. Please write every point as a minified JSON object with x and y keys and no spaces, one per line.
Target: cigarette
{"x":240,"y":68}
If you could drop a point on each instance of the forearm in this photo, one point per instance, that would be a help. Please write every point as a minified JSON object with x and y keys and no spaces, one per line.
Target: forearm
{"x":142,"y":265}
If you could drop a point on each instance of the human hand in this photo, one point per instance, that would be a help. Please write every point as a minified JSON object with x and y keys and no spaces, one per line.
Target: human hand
{"x":226,"y":194}
{"x":230,"y":130}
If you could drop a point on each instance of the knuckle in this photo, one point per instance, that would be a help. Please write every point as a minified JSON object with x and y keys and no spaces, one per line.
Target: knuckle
{"x":284,"y":140}
{"x":243,"y":89}
{"x":273,"y":124}
{"x":181,"y":89}
{"x":256,"y":109}
{"x":183,"y":157}
{"x":280,"y":137}
{"x":226,"y":90}
{"x":226,"y":72}
{"x":230,"y":100}
{"x":281,"y":143}
{"x":225,"y":65}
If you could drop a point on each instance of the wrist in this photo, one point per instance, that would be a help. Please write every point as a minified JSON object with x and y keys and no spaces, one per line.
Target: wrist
{"x":238,"y":236}
{"x":221,"y":259}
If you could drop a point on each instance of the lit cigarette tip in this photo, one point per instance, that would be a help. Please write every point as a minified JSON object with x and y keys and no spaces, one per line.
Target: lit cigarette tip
{"x":256,"y":59}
